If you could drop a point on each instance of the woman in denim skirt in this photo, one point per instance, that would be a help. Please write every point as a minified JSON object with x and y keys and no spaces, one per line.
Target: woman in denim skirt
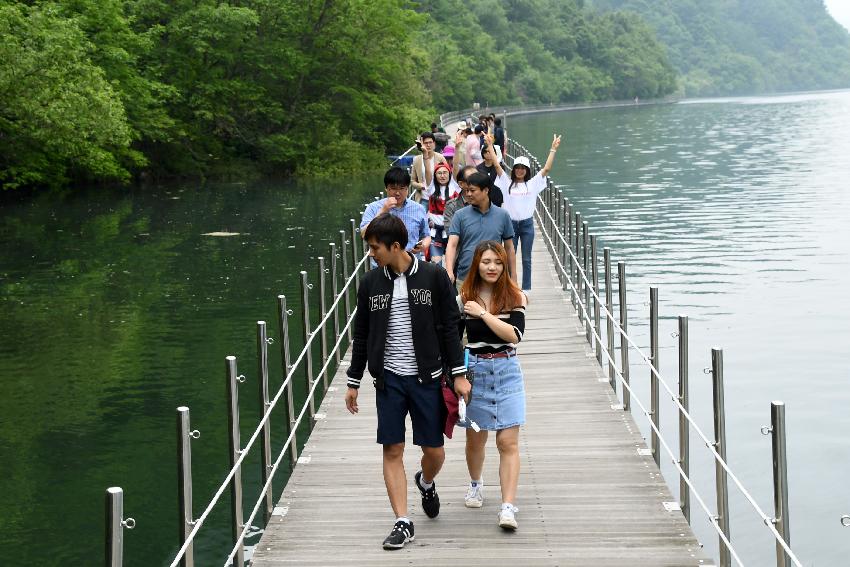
{"x":494,"y":321}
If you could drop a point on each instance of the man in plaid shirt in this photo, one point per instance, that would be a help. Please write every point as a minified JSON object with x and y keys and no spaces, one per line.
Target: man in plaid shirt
{"x":412,"y":214}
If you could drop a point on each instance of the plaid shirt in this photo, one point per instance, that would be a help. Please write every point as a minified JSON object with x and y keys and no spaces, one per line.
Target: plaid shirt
{"x":412,"y":214}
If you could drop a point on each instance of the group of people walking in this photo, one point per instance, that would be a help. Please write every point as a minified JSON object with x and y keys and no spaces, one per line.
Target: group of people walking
{"x":413,"y":314}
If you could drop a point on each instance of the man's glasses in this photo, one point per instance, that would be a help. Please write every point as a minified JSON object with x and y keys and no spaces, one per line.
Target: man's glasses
{"x":398,"y":188}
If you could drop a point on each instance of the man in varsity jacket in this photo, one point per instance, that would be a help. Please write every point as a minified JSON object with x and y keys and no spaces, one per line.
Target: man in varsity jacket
{"x":406,"y":329}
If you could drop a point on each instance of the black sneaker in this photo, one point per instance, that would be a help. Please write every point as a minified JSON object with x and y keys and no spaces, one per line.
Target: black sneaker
{"x":401,"y":534}
{"x":430,"y":498}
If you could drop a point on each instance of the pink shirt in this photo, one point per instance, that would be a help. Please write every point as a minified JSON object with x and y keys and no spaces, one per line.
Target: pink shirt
{"x":473,"y":150}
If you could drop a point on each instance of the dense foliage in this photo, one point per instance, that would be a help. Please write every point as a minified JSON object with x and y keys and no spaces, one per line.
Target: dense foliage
{"x":537,"y":51}
{"x":108,"y":89}
{"x":725,"y":47}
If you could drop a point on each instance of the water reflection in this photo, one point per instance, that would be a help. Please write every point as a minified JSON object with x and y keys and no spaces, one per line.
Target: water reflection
{"x":115,"y":308}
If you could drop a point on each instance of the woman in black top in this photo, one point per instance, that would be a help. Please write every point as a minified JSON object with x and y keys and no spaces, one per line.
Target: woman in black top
{"x":494,"y":321}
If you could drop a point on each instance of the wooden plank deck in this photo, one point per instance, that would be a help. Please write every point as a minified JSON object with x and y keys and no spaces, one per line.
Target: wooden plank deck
{"x":586,"y":496}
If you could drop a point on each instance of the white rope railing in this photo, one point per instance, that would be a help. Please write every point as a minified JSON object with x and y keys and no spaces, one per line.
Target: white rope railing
{"x":257,"y":432}
{"x":289,"y":440}
{"x":766,"y":520}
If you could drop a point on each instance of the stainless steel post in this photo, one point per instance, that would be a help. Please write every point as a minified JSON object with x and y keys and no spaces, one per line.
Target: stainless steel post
{"x":559,"y":229}
{"x":283,"y":328}
{"x":684,"y":430}
{"x":554,"y":213}
{"x":263,"y":391}
{"x":308,"y":354}
{"x":571,"y":249}
{"x":345,"y":274}
{"x":235,"y":451}
{"x":115,"y":524}
{"x":356,"y":252}
{"x":323,"y":308}
{"x":720,"y":447}
{"x":579,"y":280}
{"x":780,"y":481}
{"x":335,"y":293}
{"x":585,"y":244}
{"x":624,"y":325}
{"x":565,"y":246}
{"x":184,"y":483}
{"x":597,"y":323}
{"x":609,"y":321}
{"x":653,"y":377}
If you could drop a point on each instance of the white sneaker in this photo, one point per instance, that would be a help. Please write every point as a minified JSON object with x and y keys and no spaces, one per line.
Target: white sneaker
{"x":474,"y":496}
{"x":507,"y":517}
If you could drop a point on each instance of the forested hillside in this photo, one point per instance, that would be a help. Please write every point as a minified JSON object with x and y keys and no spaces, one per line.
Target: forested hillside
{"x":533,"y":51}
{"x":106,"y":90}
{"x":726,"y":47}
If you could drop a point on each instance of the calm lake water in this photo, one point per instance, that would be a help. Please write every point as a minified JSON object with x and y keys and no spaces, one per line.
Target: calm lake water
{"x":737,"y":209}
{"x":115,"y":309}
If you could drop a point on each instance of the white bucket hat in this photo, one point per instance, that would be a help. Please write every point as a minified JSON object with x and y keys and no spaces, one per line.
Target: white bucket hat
{"x":522,"y":160}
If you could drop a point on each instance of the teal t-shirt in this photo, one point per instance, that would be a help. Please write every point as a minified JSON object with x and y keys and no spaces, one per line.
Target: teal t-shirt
{"x":472,"y":227}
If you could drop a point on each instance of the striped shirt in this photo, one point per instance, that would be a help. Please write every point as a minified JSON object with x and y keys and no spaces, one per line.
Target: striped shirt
{"x":399,"y":356}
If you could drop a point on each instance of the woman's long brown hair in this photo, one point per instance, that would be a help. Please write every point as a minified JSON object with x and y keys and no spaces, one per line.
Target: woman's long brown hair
{"x":506,"y":294}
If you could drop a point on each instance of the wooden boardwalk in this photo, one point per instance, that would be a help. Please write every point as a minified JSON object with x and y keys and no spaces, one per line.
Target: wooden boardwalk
{"x":586,"y":496}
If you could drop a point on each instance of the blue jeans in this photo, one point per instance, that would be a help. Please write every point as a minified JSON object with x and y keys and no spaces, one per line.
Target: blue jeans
{"x":524,"y":231}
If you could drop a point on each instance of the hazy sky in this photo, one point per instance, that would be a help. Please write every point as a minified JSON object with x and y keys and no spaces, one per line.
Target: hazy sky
{"x":840,"y":10}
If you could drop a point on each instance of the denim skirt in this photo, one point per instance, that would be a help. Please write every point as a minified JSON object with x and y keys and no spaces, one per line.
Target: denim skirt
{"x":498,"y":393}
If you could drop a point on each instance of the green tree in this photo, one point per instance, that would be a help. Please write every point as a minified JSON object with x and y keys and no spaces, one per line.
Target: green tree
{"x":59,"y":116}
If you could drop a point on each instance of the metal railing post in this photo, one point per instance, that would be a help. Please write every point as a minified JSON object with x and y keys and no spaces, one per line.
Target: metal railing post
{"x":597,"y":322}
{"x":283,"y":327}
{"x":577,"y":249}
{"x":308,"y":346}
{"x":571,"y":248}
{"x":335,"y":293}
{"x":344,"y":253}
{"x":585,"y":245}
{"x":565,"y":257}
{"x":263,"y":391}
{"x":552,"y":217}
{"x":323,"y":308}
{"x":235,"y":450}
{"x":356,"y":243}
{"x":684,"y":430}
{"x":720,"y":447}
{"x":780,"y":481}
{"x":624,"y":325}
{"x":653,"y":376}
{"x":115,"y":524}
{"x":184,"y":482}
{"x":559,"y":227}
{"x":609,"y":322}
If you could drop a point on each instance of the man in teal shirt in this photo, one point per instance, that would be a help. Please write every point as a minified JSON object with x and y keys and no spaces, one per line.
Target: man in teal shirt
{"x":474,"y":224}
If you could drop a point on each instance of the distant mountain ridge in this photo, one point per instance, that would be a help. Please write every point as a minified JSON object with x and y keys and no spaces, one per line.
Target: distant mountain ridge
{"x":732,"y":47}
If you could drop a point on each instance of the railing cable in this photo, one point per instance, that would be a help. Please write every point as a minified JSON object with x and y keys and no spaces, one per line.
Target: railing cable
{"x":674,"y":396}
{"x":245,"y":450}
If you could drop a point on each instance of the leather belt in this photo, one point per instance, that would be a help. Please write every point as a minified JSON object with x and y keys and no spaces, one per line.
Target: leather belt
{"x":501,"y":354}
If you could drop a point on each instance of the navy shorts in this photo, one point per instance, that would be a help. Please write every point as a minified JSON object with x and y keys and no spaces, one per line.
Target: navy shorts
{"x":424,"y":402}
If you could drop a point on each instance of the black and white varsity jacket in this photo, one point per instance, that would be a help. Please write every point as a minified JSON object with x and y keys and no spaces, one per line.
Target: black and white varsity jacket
{"x":434,"y":316}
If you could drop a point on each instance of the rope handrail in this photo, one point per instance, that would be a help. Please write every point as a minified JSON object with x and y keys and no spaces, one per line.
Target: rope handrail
{"x":675,"y":461}
{"x":243,"y":452}
{"x":712,"y":517}
{"x":768,"y":522}
{"x":289,"y":440}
